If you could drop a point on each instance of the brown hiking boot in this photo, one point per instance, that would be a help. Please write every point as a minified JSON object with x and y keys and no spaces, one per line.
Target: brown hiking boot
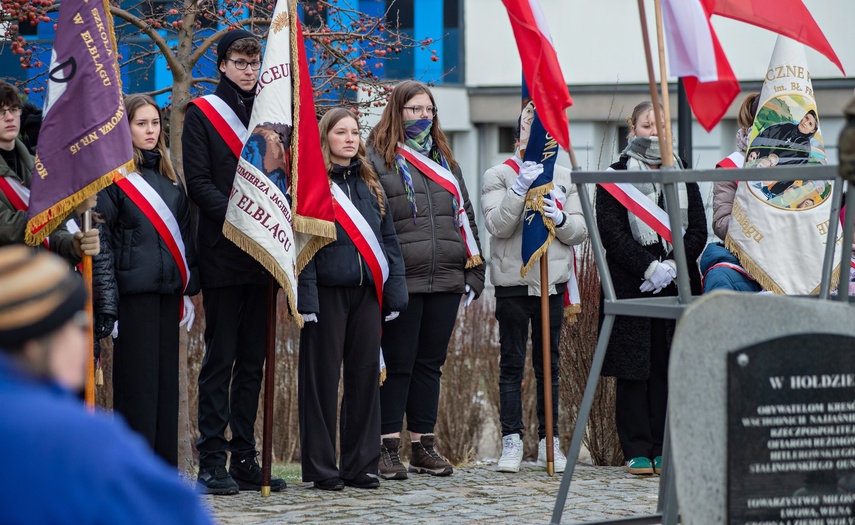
{"x":390,"y":466}
{"x":426,"y":460}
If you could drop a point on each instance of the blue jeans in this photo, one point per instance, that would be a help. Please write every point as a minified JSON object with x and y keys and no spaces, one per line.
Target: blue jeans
{"x":514,"y":315}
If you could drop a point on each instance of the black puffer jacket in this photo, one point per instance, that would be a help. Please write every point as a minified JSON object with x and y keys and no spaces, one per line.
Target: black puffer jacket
{"x":433,"y":248}
{"x":340,"y":264}
{"x":209,"y":168}
{"x":141,"y":261}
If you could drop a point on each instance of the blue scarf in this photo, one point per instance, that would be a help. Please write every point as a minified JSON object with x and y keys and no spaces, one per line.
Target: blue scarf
{"x":418,"y":138}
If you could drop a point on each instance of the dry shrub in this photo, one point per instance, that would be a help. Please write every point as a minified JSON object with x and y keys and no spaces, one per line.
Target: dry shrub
{"x":462,"y":402}
{"x":578,"y":343}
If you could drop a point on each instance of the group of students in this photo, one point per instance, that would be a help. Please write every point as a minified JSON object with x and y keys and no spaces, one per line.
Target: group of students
{"x":406,"y":189}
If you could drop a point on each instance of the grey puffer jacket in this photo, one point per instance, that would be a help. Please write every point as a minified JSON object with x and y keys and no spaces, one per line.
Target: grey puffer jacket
{"x":433,"y":248}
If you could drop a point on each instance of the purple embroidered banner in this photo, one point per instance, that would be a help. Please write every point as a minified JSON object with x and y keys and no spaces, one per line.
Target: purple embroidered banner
{"x":85,"y":139}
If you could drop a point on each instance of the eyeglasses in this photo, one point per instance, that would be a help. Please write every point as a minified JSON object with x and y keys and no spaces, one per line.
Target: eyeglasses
{"x":417,"y":110}
{"x":240,"y":65}
{"x":15,"y":112}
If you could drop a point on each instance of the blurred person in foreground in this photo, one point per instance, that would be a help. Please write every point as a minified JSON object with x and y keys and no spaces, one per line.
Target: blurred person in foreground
{"x":98,"y":471}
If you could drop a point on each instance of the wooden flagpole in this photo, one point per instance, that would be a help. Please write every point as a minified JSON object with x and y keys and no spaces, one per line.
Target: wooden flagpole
{"x":269,"y":368}
{"x":667,"y":159}
{"x":668,"y":147}
{"x":89,"y":385}
{"x":547,"y":360}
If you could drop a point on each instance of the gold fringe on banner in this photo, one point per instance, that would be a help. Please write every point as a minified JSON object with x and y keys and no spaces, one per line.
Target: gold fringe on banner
{"x":534,"y":201}
{"x":247,"y":244}
{"x":571,"y":312}
{"x":763,"y":279}
{"x":43,"y":224}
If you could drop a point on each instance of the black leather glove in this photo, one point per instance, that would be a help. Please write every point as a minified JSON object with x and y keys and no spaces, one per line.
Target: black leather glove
{"x":103,"y":325}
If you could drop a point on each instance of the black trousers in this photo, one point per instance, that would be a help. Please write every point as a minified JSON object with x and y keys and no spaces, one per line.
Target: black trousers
{"x":230,"y":378}
{"x":145,"y":369}
{"x":515,"y":314}
{"x":347,"y":332}
{"x":415,"y":346}
{"x":640,"y":406}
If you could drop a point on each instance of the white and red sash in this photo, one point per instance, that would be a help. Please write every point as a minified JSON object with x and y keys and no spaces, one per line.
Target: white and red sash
{"x":155,"y":209}
{"x":641,"y":206}
{"x":571,"y":294}
{"x":19,"y":197}
{"x":224,"y":120}
{"x":448,"y":181}
{"x":363,"y":238}
{"x":734,"y":160}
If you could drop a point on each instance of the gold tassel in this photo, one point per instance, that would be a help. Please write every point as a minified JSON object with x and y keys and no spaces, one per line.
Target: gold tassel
{"x":99,"y":376}
{"x":382,"y":376}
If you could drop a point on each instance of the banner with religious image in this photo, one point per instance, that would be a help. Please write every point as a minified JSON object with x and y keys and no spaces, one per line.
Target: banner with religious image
{"x":778,"y":229}
{"x":280,"y":208}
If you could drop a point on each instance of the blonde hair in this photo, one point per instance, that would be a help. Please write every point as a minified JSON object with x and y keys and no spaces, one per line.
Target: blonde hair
{"x":134,"y":103}
{"x":386,"y":135}
{"x":366,"y":171}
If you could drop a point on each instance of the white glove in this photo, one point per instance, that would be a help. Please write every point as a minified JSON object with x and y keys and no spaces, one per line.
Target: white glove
{"x":115,"y":333}
{"x":528,"y":172}
{"x":392,"y":316}
{"x":88,"y":243}
{"x":551,"y":211}
{"x":662,"y":276}
{"x":470,"y":296}
{"x":189,"y":313}
{"x":558,"y":195}
{"x":310,"y":318}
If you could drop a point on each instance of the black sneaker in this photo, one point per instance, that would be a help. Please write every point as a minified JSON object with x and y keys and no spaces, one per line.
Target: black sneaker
{"x":215,"y":480}
{"x":363,"y":481}
{"x":247,"y":473}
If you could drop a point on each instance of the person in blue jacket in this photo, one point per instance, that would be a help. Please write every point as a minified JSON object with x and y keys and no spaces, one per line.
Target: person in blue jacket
{"x":70,"y":466}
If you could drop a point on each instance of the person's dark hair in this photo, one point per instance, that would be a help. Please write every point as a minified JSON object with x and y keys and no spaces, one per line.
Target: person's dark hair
{"x":815,"y":122}
{"x":9,"y":96}
{"x":747,"y":111}
{"x":248,"y":46}
{"x":132,"y":104}
{"x":366,"y":171}
{"x":386,"y":135}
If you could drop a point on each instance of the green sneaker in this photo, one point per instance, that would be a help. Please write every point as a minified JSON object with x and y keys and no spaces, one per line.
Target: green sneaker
{"x":639,"y":466}
{"x":657,"y":465}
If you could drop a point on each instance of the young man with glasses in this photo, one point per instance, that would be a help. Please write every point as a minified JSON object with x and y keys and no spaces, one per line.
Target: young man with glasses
{"x":16,"y":172}
{"x":234,"y":285}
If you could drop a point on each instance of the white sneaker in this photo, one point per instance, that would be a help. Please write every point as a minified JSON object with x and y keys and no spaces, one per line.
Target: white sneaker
{"x":512,"y":453}
{"x":559,"y":461}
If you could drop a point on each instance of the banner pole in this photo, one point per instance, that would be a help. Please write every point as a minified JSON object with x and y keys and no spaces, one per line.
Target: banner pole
{"x":269,"y":369}
{"x":547,"y":361}
{"x":668,"y":149}
{"x":89,"y":385}
{"x":651,"y":77}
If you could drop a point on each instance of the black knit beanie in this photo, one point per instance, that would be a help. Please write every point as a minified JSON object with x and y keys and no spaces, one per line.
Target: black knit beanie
{"x":38,"y":294}
{"x":227,"y":40}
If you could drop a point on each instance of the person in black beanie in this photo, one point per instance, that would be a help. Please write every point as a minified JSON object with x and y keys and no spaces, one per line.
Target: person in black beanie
{"x":234,"y":285}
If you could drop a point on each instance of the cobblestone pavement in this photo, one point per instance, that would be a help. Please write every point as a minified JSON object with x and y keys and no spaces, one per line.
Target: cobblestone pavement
{"x":472,"y":495}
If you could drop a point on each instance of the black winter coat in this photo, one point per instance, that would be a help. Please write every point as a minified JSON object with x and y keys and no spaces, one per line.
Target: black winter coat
{"x":209,"y":168}
{"x":628,"y":353}
{"x":339,"y":264}
{"x":433,"y":248}
{"x":141,"y":261}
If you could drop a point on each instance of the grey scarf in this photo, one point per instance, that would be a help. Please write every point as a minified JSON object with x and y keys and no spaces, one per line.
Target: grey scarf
{"x":647,"y":151}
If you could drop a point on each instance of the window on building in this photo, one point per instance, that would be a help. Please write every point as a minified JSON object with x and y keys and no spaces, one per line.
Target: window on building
{"x":507,"y":141}
{"x":622,"y":141}
{"x":28,"y":29}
